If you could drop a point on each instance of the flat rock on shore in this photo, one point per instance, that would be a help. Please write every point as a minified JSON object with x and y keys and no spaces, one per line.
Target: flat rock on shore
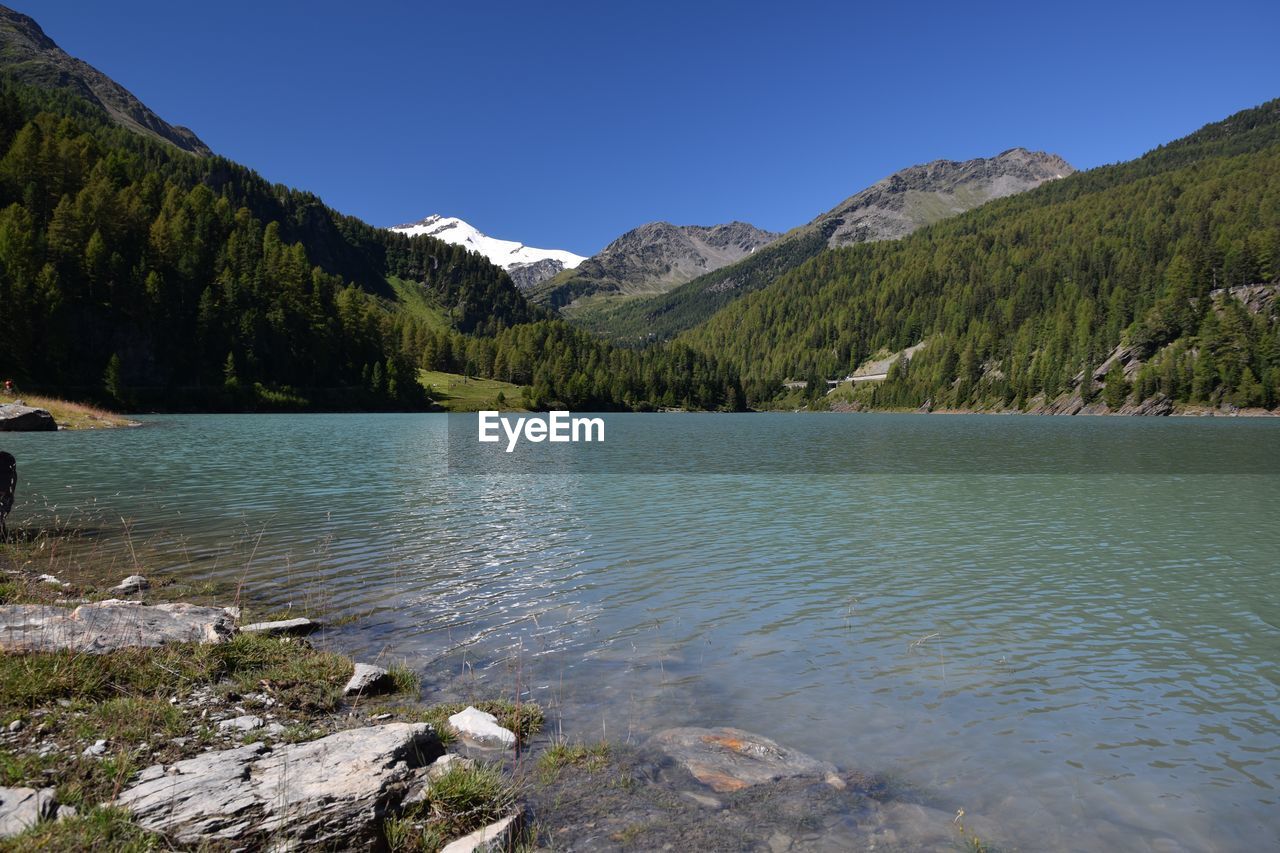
{"x":23,"y":808}
{"x":327,"y":791}
{"x":106,"y":626}
{"x":18,"y":418}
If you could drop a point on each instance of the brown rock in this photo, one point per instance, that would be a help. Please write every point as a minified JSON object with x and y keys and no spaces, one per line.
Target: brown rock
{"x":727,"y":759}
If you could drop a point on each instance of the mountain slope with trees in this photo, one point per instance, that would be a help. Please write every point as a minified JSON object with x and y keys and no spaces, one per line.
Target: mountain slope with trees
{"x":1159,"y":268}
{"x":29,"y":56}
{"x":137,"y":274}
{"x":132,"y":268}
{"x":888,"y":209}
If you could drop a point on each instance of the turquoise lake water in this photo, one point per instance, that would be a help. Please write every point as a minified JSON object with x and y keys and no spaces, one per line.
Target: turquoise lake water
{"x":1069,"y":626}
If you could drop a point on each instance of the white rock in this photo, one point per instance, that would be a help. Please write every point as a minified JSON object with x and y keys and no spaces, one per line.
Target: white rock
{"x":447,"y":762}
{"x":476,"y":725}
{"x":23,"y":808}
{"x":105,"y":626}
{"x":331,"y":790}
{"x":15,"y":726}
{"x":50,"y":579}
{"x":133,"y":583}
{"x":275,"y":729}
{"x":367,"y":679}
{"x":283,"y":626}
{"x":98,"y":748}
{"x":494,"y":838}
{"x":246,"y":723}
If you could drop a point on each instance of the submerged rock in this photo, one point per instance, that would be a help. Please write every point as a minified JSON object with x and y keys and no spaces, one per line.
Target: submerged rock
{"x":283,"y":627}
{"x":366,"y":679}
{"x":15,"y":417}
{"x":331,"y":790}
{"x":911,"y":826}
{"x":481,"y":728}
{"x":106,"y":626}
{"x":727,"y":759}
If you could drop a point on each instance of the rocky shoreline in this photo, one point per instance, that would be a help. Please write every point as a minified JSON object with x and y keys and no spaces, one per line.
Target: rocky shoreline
{"x":132,"y":722}
{"x":1071,"y":406}
{"x":41,"y":414}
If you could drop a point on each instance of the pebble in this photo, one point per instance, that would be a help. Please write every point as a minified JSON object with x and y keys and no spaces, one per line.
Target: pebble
{"x":245,"y":723}
{"x":133,"y":583}
{"x":282,"y":627}
{"x":478,"y":726}
{"x":98,"y":748}
{"x":366,"y":679}
{"x":15,"y":726}
{"x":704,"y":800}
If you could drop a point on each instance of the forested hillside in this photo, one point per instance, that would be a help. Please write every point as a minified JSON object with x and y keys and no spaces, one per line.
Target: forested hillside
{"x":135,"y":273}
{"x":887,"y":210}
{"x":130,"y":268}
{"x":1019,"y":297}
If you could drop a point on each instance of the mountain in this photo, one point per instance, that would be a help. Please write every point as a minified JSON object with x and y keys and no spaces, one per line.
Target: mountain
{"x":653,"y":259}
{"x":29,"y":56}
{"x":1142,"y":286}
{"x":889,"y":209}
{"x":526,"y":265}
{"x":135,"y":274}
{"x":921,"y":195}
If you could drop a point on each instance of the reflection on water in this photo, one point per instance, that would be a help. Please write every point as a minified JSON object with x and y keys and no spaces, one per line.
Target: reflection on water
{"x":1089,"y":659}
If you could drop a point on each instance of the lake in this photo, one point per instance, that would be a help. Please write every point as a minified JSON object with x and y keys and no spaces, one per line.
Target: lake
{"x":1069,"y":626}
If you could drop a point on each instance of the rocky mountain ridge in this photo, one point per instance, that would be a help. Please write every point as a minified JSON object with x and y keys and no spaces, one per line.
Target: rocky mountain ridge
{"x":891,"y":208}
{"x":921,"y":195}
{"x":653,"y":259}
{"x":31,"y":57}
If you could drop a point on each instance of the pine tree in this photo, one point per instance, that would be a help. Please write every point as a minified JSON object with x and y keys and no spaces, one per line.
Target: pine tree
{"x":113,"y":381}
{"x":1115,"y":389}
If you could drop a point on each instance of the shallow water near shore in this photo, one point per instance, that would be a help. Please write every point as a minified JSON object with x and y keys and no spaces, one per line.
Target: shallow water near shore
{"x":972,"y":605}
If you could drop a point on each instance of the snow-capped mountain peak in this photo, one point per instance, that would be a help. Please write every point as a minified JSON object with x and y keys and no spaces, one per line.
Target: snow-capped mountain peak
{"x":527,"y":265}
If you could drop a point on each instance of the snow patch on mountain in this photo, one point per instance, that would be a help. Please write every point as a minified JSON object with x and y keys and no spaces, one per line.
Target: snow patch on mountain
{"x":507,"y":254}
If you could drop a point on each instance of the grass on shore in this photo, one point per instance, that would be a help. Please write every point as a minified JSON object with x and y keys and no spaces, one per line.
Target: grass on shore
{"x":525,"y":719}
{"x":459,"y":393}
{"x":151,"y":705}
{"x":102,"y":829}
{"x":71,"y":415}
{"x":148,"y":706}
{"x":462,"y":800}
{"x":562,"y":754}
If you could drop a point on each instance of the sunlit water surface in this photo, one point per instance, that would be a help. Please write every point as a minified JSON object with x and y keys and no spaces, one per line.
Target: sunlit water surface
{"x":1091,"y":659}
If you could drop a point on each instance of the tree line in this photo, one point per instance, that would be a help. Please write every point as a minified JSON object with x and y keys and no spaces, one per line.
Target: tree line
{"x":1019,"y":297}
{"x":139,"y":275}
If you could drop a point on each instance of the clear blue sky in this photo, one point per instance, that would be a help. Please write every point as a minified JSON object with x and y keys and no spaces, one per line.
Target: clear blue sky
{"x":565,"y":124}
